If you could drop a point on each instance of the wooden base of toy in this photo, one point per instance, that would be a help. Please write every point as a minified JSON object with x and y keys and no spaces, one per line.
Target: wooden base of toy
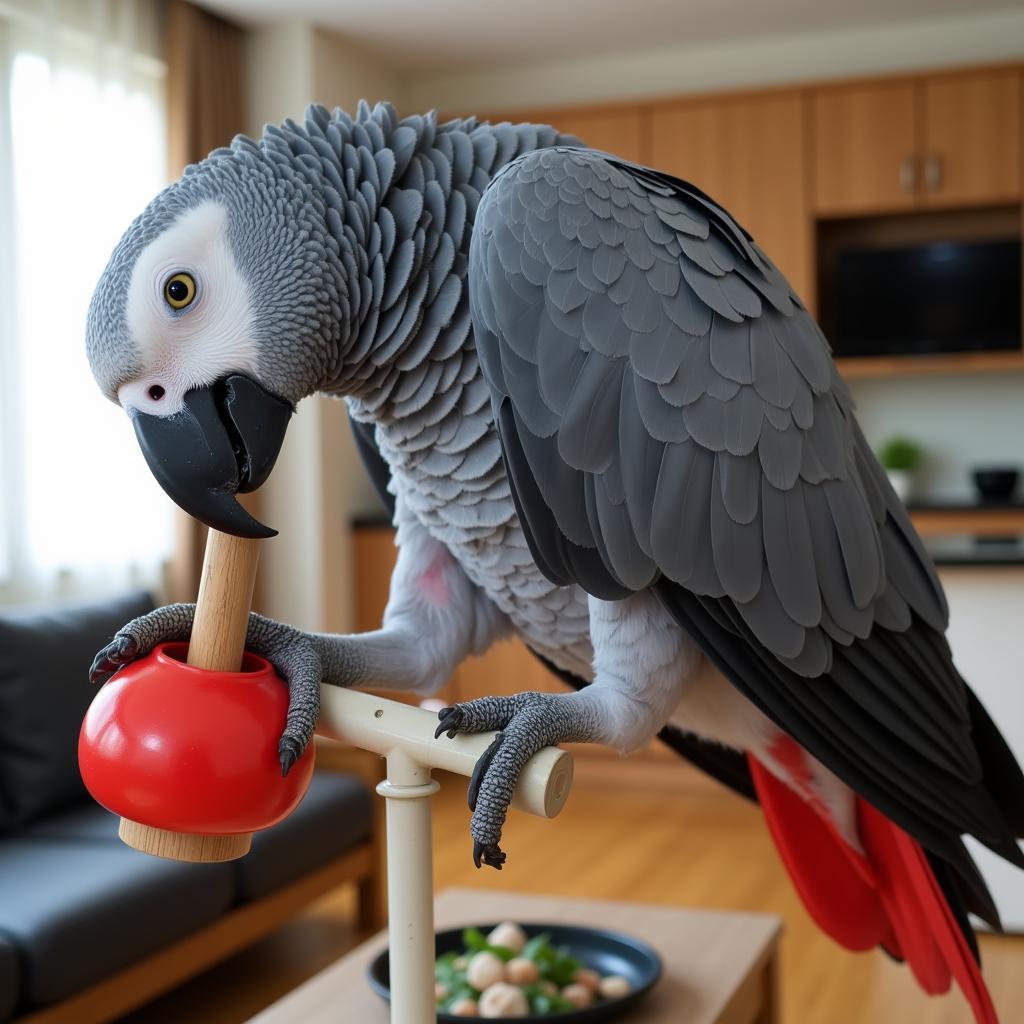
{"x":159,"y":842}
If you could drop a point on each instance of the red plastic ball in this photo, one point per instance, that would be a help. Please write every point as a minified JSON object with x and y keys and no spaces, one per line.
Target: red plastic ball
{"x":189,"y":750}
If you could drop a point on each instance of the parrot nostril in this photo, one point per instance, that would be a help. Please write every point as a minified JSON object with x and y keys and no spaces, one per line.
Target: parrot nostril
{"x":156,"y":392}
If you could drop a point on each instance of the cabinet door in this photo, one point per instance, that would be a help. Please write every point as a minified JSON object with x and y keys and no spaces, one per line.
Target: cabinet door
{"x":614,"y":131}
{"x":865,"y":145}
{"x":748,"y":155}
{"x":972,"y":139}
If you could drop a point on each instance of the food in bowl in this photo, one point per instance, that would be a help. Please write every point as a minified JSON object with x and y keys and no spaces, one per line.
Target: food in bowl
{"x":506,"y":974}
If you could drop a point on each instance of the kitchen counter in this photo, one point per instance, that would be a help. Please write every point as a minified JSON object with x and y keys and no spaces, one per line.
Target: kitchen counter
{"x":954,"y":546}
{"x":967,"y":551}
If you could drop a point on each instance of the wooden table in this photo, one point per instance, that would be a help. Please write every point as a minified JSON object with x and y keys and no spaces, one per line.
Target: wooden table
{"x":720,"y":966}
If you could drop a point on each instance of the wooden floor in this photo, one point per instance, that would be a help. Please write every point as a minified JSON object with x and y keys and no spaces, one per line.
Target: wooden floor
{"x":638,"y":834}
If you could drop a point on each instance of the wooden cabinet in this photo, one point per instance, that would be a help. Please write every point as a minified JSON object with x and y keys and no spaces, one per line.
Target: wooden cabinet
{"x":614,"y":131}
{"x":864,"y":143}
{"x":618,"y":131}
{"x":747,"y":154}
{"x":949,"y":140}
{"x":973,"y":143}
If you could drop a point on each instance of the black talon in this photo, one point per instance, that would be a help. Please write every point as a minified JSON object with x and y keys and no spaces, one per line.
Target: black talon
{"x":117,"y":653}
{"x":490,"y":854}
{"x":450,"y":720}
{"x":480,"y":769}
{"x":99,"y":668}
{"x":288,"y":751}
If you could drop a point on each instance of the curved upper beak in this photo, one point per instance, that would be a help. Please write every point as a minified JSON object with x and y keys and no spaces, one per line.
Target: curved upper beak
{"x":224,"y":441}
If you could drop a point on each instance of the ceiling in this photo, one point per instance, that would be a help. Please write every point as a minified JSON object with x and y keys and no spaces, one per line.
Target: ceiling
{"x":437,"y":34}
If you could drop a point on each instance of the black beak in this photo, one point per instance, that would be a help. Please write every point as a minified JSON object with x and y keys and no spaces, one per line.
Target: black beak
{"x":224,"y":441}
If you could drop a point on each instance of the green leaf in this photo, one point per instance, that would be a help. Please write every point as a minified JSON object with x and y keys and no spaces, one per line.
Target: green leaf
{"x":473,"y":939}
{"x":559,"y":1004}
{"x":564,"y":967}
{"x":540,"y":1003}
{"x":503,"y":953}
{"x":536,"y":946}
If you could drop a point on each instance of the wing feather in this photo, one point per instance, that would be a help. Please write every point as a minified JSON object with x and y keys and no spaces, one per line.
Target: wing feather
{"x":676,"y":422}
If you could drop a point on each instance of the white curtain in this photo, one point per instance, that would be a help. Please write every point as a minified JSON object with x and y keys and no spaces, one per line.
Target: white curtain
{"x":82,"y":149}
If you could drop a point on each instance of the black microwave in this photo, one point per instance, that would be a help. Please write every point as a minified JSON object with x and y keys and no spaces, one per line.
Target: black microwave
{"x":937,"y":297}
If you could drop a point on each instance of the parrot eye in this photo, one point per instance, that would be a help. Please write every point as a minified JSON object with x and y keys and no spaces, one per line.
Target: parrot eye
{"x":180,"y":290}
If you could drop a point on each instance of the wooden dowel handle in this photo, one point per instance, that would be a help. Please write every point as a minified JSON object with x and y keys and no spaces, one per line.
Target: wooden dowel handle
{"x":225,"y":598}
{"x":218,"y":643}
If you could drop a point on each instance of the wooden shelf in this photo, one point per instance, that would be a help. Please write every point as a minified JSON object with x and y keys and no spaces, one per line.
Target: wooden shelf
{"x":913,"y":366}
{"x":983,"y":521}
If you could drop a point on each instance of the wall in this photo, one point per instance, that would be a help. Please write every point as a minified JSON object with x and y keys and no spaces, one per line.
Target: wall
{"x":984,"y":617}
{"x":835,"y":53}
{"x":961,"y":422}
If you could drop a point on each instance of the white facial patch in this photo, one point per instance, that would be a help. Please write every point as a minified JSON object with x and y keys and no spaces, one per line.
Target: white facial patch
{"x":183,"y":349}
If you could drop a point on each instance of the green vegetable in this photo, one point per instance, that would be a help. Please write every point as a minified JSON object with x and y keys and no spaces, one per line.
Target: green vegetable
{"x":475,"y":942}
{"x":555,"y":964}
{"x":535,"y":945}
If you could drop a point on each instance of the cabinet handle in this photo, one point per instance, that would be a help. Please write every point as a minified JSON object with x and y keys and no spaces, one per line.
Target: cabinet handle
{"x":908,"y":174}
{"x":933,"y":172}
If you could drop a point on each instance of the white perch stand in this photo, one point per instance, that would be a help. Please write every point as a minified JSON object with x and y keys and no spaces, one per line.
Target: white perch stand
{"x":404,"y":735}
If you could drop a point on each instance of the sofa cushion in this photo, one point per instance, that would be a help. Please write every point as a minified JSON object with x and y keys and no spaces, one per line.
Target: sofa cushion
{"x":334,"y":815}
{"x":87,"y":820}
{"x":82,"y":905}
{"x":44,"y":692}
{"x":10,"y":970}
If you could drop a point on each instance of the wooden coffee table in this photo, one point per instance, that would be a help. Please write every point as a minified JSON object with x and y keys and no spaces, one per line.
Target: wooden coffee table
{"x":721,"y":967}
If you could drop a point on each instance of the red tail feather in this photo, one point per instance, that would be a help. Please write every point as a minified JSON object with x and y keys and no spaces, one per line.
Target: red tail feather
{"x":891,"y":898}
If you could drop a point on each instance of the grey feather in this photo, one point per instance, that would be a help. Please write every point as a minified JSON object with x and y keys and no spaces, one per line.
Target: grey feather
{"x":737,"y":546}
{"x":789,"y":553}
{"x":857,"y":540}
{"x":730,"y":350}
{"x":739,"y":478}
{"x":770,"y":623}
{"x":680,"y":521}
{"x":588,"y":436}
{"x":640,"y":457}
{"x":781,"y":455}
{"x":664,"y":422}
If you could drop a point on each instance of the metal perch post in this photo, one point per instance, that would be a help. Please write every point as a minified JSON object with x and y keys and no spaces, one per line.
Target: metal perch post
{"x":404,"y":735}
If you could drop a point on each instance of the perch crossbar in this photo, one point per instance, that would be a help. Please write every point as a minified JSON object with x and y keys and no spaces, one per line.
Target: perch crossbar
{"x":404,"y":736}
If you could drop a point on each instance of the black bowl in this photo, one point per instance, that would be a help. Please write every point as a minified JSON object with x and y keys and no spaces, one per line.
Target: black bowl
{"x":996,"y":484}
{"x":604,"y":951}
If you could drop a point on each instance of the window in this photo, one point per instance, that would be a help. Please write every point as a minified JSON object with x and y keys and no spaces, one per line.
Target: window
{"x":82,"y":151}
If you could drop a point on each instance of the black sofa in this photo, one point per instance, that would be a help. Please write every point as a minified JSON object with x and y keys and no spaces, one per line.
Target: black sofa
{"x":77,"y":906}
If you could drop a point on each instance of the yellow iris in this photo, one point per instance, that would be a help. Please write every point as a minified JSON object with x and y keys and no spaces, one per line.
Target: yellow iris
{"x":180,"y":290}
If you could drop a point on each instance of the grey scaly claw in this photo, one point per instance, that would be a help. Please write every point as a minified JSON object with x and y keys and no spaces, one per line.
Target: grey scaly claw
{"x":138,"y":637}
{"x":527,"y":722}
{"x":295,"y":656}
{"x":450,"y":721}
{"x":120,"y":651}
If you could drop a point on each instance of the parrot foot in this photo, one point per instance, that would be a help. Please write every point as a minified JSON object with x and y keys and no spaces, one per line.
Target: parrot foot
{"x":528,"y":722}
{"x":294,"y":655}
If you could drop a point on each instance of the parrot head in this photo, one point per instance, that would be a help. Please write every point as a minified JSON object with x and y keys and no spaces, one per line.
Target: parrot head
{"x":222,"y":306}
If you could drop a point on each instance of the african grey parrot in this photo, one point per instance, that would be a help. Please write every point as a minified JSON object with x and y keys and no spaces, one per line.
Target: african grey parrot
{"x":606,"y":424}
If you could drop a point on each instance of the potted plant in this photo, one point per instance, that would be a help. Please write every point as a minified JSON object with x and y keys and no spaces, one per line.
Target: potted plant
{"x":900,"y":457}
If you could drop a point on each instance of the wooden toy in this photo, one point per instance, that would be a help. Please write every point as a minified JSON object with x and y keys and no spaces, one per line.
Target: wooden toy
{"x":183,"y":743}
